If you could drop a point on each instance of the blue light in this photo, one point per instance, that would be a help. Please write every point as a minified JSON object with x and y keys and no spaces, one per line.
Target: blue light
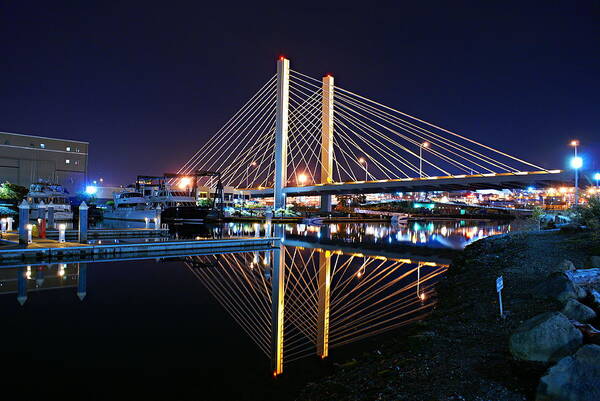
{"x":530,"y":189}
{"x":597,"y":176}
{"x":576,"y":162}
{"x":91,"y":190}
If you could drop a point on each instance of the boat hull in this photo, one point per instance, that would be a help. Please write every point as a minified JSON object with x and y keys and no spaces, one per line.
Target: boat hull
{"x":129,"y":215}
{"x":185,"y":215}
{"x":58,"y":215}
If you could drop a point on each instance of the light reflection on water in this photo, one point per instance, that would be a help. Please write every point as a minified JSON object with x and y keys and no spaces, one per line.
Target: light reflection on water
{"x":297,"y":303}
{"x":292,"y":302}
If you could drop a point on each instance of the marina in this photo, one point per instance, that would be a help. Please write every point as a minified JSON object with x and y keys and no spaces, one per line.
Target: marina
{"x":306,"y":202}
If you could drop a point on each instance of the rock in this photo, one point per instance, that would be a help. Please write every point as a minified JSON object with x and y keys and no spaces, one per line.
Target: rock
{"x":577,"y":311}
{"x":557,"y":286}
{"x":595,"y":261}
{"x":581,"y":292}
{"x":573,"y":378}
{"x":584,"y":276}
{"x":595,"y":295}
{"x":565,"y":265}
{"x":546,"y":337}
{"x":590,"y":333}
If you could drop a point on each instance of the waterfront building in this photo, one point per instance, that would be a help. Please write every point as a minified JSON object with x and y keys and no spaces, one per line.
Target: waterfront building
{"x":25,"y":159}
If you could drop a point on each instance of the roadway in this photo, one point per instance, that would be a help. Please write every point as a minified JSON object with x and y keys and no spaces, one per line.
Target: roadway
{"x":518,"y":180}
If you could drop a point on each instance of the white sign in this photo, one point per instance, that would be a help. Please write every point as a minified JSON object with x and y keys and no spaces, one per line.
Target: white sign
{"x":499,"y":287}
{"x":499,"y":284}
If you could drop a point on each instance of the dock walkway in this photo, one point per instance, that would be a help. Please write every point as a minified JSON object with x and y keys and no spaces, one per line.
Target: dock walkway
{"x":52,"y":250}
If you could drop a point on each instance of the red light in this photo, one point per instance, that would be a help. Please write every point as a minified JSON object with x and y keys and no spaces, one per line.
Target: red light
{"x":281,"y":58}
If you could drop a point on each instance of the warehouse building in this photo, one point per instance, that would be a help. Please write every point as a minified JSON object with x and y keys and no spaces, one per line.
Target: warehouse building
{"x":25,"y":159}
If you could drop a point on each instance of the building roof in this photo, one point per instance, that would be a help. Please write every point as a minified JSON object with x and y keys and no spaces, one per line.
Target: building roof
{"x":44,"y":137}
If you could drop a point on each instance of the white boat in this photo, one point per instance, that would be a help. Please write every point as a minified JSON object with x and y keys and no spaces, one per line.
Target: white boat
{"x":400,"y":218}
{"x":177,"y":206}
{"x":130,"y":205}
{"x":42,"y":194}
{"x":313,"y":221}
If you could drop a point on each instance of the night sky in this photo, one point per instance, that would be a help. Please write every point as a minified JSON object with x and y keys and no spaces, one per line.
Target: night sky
{"x":147,"y":83}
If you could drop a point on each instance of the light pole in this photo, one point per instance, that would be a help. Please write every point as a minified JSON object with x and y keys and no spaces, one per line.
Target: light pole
{"x":253,"y":164}
{"x":576,"y":163}
{"x":363,"y":161}
{"x":421,"y":146}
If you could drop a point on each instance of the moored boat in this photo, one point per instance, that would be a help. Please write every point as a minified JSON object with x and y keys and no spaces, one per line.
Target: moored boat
{"x":130,"y":205}
{"x":41,"y":195}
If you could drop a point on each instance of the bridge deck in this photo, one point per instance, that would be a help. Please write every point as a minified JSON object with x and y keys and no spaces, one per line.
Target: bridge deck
{"x":518,"y":180}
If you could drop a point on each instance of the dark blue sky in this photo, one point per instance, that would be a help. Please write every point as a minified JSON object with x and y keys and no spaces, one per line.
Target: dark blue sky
{"x":147,"y":83}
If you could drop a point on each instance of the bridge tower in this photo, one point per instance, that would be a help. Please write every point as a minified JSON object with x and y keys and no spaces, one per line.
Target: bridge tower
{"x":327,"y":139}
{"x":281,"y":131}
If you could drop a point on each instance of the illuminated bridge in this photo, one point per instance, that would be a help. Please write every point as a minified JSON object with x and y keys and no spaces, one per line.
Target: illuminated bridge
{"x":299,"y":136}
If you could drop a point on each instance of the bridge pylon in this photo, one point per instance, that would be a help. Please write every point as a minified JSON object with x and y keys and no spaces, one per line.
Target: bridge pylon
{"x":327,"y":139}
{"x":281,"y":131}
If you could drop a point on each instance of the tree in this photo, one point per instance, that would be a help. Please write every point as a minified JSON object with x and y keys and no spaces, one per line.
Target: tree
{"x":13,"y":192}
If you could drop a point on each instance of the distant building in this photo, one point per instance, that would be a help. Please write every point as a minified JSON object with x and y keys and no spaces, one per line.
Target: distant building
{"x":25,"y":159}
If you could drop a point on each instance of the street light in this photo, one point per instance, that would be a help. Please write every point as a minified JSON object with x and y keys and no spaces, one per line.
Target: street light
{"x":253,"y":164}
{"x":597,"y":178}
{"x":576,"y":164}
{"x":421,"y":146}
{"x":363,"y":161}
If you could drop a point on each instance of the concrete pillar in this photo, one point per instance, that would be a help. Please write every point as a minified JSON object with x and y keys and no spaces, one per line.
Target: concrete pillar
{"x":23,"y":222}
{"x":50,"y":210}
{"x":22,"y":284}
{"x":281,"y":131}
{"x":82,"y":281}
{"x":323,"y":307}
{"x":83,"y":222}
{"x":277,"y":309}
{"x":327,"y":139}
{"x":157,"y":220}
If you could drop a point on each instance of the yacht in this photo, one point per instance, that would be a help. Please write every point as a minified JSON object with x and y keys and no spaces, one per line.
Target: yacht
{"x":43,"y":193}
{"x":129,"y":205}
{"x":177,"y":206}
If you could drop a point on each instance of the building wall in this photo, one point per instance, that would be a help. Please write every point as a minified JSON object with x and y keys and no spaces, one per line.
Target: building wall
{"x":25,"y":159}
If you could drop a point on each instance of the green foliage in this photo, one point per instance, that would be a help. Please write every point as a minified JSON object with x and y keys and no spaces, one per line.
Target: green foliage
{"x":13,"y":192}
{"x":204,"y":202}
{"x":589,"y":215}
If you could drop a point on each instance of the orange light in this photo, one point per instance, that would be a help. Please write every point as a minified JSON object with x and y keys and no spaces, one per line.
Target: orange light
{"x":425,"y":144}
{"x":575,"y":142}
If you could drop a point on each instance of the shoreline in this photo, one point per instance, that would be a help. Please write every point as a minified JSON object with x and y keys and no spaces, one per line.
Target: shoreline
{"x":461,"y":351}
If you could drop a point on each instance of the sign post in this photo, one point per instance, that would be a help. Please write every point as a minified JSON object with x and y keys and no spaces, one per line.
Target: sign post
{"x":499,"y":287}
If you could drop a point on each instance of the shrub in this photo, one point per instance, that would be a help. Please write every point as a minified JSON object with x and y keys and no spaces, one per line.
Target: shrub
{"x":589,"y":215}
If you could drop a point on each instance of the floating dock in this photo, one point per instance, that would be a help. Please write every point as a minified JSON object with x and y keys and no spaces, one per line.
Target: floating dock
{"x":49,"y":250}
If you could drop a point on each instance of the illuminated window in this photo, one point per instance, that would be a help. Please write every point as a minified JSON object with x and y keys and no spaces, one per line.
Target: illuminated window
{"x":43,"y":145}
{"x":68,"y":148}
{"x":76,"y":162}
{"x":67,"y":161}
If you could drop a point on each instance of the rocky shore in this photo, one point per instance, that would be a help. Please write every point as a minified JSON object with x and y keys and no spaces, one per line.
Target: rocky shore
{"x":466,"y":351}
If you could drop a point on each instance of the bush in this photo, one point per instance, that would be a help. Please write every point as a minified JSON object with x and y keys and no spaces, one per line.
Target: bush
{"x":589,"y":215}
{"x":13,"y":192}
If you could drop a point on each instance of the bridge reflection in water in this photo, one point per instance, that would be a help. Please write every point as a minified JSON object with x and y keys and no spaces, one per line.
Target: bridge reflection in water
{"x":295,"y":302}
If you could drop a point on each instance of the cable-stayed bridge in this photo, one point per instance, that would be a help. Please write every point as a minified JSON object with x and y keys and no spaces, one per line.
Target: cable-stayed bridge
{"x":298,"y":135}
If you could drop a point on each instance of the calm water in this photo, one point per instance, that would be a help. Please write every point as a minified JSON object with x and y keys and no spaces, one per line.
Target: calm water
{"x":216,"y":327}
